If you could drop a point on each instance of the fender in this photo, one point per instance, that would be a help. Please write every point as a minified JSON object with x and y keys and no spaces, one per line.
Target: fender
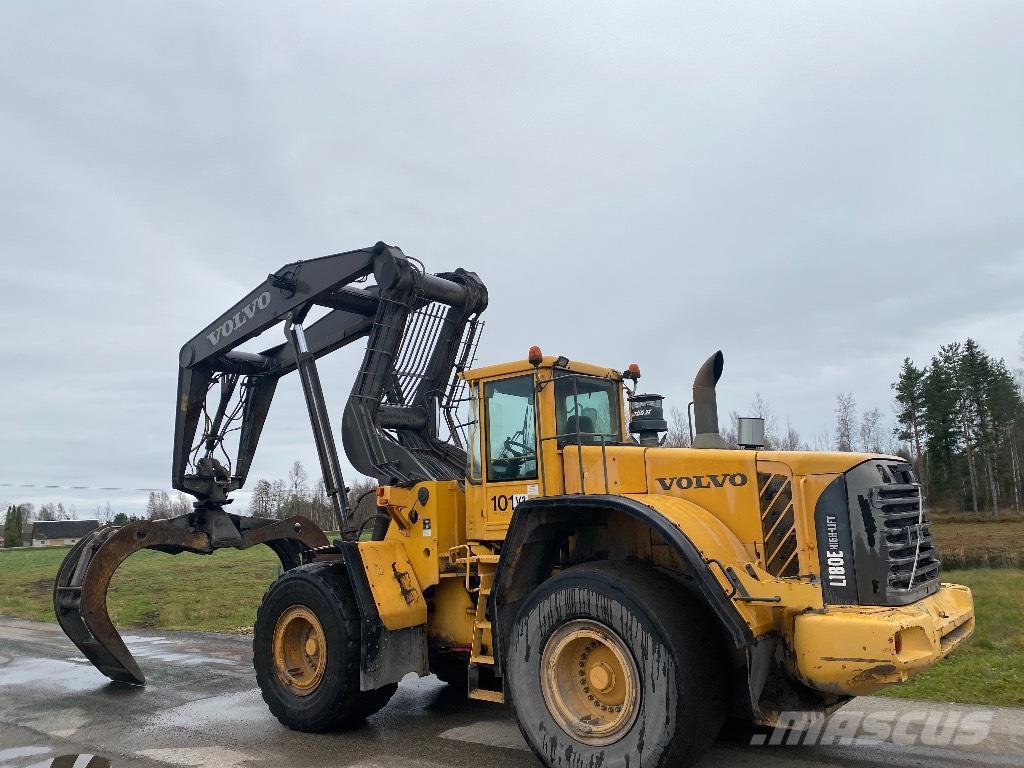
{"x":388,"y":655}
{"x":539,"y":525}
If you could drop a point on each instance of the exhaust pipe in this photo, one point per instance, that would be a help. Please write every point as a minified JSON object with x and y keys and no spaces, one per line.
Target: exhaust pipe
{"x":705,"y":403}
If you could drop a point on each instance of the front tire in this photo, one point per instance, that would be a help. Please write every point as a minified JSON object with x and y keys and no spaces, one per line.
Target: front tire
{"x":306,"y":651}
{"x":613,"y":664}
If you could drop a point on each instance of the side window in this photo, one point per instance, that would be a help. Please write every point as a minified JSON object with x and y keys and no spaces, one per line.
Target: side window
{"x":588,"y":407}
{"x":473,"y":437}
{"x":511,"y":440}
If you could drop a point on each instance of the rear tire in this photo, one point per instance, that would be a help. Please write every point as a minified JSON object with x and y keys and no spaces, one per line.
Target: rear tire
{"x":306,"y":651}
{"x":613,"y":664}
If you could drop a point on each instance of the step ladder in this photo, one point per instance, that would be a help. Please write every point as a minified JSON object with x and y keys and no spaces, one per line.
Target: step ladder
{"x":484,"y":684}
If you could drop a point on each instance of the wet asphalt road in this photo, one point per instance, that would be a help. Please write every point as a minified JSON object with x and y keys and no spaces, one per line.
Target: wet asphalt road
{"x":201,"y":708}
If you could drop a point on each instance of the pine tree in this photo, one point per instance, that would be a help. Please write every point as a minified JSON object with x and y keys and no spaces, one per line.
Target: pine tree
{"x":942,"y":436}
{"x":13,"y":531}
{"x":909,"y":388}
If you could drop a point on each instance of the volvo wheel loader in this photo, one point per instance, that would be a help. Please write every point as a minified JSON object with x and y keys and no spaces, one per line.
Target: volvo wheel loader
{"x":533,"y":541}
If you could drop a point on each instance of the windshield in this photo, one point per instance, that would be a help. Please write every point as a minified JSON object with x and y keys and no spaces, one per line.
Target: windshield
{"x":587,"y":406}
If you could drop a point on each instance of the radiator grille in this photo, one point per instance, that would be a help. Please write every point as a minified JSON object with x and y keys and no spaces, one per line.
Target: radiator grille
{"x":778,"y":524}
{"x":899,"y":507}
{"x":897,"y":560}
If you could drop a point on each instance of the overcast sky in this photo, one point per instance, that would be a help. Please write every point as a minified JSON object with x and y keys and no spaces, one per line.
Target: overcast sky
{"x":818,"y":189}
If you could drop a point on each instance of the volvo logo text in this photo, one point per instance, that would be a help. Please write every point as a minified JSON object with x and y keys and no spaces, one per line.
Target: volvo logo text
{"x":736,"y":480}
{"x":239,"y":319}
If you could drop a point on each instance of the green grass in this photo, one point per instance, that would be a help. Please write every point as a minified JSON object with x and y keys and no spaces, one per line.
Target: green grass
{"x":221,"y":592}
{"x":989,"y":669}
{"x":216,"y":593}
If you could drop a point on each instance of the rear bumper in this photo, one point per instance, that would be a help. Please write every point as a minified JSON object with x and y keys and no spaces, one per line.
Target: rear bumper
{"x":858,"y":650}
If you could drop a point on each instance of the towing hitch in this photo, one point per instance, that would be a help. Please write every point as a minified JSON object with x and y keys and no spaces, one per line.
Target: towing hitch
{"x":80,"y":590}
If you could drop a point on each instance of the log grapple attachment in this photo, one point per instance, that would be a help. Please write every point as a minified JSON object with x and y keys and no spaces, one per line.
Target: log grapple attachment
{"x":80,"y":590}
{"x":421,"y":331}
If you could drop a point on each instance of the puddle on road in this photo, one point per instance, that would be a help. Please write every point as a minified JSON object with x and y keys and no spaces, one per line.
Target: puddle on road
{"x":241,"y":707}
{"x":50,"y":673}
{"x":155,"y":648}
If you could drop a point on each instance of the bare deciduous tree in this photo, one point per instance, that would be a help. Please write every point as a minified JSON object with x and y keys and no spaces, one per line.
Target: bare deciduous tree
{"x":790,"y":440}
{"x":762,"y":409}
{"x":846,"y":418}
{"x":260,"y":503}
{"x":872,"y":437}
{"x":678,"y":435}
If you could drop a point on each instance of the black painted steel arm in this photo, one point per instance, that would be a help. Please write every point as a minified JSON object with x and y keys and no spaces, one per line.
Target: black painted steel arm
{"x":387,"y":433}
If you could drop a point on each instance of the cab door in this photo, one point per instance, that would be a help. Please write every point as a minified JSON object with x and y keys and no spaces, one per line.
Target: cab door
{"x":505,"y":454}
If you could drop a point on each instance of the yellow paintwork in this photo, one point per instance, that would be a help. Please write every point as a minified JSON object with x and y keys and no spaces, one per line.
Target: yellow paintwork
{"x":393,"y":584}
{"x":819,"y":463}
{"x":449,"y":544}
{"x":451,"y":618}
{"x":615,"y":469}
{"x":501,"y":370}
{"x":851,"y":650}
{"x":439,"y":524}
{"x":717,"y":542}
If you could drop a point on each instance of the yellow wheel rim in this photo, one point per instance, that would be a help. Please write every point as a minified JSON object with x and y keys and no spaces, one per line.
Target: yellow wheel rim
{"x":300,"y":650}
{"x":590,"y":682}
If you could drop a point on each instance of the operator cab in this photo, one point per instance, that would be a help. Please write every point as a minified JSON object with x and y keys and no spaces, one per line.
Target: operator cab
{"x":523,"y":414}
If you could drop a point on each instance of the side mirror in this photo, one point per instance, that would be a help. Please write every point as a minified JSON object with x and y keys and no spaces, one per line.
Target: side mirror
{"x":750,"y":432}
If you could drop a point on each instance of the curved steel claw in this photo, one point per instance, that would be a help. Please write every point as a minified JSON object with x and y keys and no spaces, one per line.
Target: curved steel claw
{"x":80,"y":590}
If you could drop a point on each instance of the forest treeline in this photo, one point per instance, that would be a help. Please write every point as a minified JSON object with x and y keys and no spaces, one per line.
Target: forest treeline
{"x":959,"y":419}
{"x":294,"y":495}
{"x":961,"y":416}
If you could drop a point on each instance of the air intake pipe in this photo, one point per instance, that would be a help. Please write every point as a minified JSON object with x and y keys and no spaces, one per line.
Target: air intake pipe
{"x":705,"y":403}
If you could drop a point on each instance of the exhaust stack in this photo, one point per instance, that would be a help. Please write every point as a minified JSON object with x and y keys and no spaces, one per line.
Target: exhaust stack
{"x":705,"y":403}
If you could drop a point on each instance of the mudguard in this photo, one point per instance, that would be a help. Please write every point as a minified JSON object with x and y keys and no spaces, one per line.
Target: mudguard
{"x":740,"y":595}
{"x":80,"y":590}
{"x":538,"y":524}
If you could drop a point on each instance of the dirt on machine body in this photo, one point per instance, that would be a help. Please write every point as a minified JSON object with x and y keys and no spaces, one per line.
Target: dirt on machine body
{"x":534,"y":541}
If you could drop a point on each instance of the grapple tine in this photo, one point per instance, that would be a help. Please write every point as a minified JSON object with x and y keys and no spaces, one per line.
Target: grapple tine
{"x":80,"y":590}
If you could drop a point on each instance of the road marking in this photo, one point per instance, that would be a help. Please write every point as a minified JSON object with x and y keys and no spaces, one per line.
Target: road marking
{"x":9,"y":753}
{"x":60,"y":722}
{"x":490,"y":733}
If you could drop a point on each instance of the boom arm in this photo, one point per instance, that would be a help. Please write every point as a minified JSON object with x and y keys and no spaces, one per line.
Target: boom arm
{"x":390,"y":423}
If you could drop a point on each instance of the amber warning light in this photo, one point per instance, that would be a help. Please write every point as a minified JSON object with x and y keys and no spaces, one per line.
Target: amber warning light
{"x":535,"y":357}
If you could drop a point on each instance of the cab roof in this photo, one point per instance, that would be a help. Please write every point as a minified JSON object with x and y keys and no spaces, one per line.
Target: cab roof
{"x":548,"y":362}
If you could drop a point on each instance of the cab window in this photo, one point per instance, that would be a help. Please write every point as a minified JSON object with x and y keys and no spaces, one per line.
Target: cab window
{"x":587,"y":409}
{"x":511,"y":439}
{"x":473,"y":439}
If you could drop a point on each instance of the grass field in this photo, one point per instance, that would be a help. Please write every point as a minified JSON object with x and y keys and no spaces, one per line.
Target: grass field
{"x":218,"y":593}
{"x":990,"y":668}
{"x":221,"y":593}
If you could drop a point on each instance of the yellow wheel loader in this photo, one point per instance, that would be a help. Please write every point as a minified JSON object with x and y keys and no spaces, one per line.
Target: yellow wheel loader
{"x":533,"y":540}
